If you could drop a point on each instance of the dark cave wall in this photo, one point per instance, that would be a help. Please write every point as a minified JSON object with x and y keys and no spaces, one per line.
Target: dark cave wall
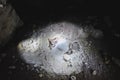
{"x":9,"y":21}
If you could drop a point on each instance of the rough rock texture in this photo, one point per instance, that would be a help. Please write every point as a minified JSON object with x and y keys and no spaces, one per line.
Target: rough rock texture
{"x":65,"y":49}
{"x":8,"y":21}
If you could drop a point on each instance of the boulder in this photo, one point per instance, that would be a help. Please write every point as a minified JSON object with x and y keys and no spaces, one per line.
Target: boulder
{"x":9,"y":21}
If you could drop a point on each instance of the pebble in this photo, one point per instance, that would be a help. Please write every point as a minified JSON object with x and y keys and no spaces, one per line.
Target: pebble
{"x":73,"y":78}
{"x":75,"y":46}
{"x":66,"y":57}
{"x":107,"y":62}
{"x":36,"y":65}
{"x":94,"y":72}
{"x":40,"y":75}
{"x":86,"y":63}
{"x":1,"y":5}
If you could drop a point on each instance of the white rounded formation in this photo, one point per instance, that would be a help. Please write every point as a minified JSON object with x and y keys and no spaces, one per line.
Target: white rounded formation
{"x":58,"y":49}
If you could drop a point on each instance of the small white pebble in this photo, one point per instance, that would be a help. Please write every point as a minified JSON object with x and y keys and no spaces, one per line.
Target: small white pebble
{"x":86,"y":63}
{"x":1,"y":6}
{"x":40,"y":75}
{"x":73,"y":78}
{"x":66,"y":57}
{"x":94,"y":72}
{"x":36,"y":65}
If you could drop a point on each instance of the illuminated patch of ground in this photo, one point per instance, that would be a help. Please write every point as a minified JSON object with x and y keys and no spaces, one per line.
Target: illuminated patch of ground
{"x":61,"y":49}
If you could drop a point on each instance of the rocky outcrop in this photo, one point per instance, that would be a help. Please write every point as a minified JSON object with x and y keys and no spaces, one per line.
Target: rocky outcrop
{"x":9,"y":21}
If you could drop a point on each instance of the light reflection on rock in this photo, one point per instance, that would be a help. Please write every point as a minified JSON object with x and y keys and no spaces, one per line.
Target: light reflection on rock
{"x":65,"y":49}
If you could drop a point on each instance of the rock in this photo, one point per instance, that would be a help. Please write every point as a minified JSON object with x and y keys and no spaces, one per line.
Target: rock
{"x":3,"y":2}
{"x":1,"y":5}
{"x":75,"y":46}
{"x":66,"y":60}
{"x":107,"y":61}
{"x":66,"y":57}
{"x":40,"y":75}
{"x":52,"y":42}
{"x":8,"y":21}
{"x":94,"y":72}
{"x":72,"y":78}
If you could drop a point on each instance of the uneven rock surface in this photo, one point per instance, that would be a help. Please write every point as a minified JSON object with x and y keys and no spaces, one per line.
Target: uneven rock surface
{"x":62,"y":49}
{"x":67,"y":49}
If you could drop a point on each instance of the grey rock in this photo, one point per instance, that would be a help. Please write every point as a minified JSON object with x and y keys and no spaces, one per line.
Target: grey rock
{"x":73,"y":78}
{"x":9,"y":21}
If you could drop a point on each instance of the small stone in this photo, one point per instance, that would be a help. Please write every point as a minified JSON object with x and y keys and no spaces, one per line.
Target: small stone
{"x":37,"y":70}
{"x":40,"y":75}
{"x":75,"y":46}
{"x":1,"y":5}
{"x":86,"y":43}
{"x":73,"y":78}
{"x":36,"y":65}
{"x":94,"y":72}
{"x":66,"y":57}
{"x":107,"y":62}
{"x":90,"y":43}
